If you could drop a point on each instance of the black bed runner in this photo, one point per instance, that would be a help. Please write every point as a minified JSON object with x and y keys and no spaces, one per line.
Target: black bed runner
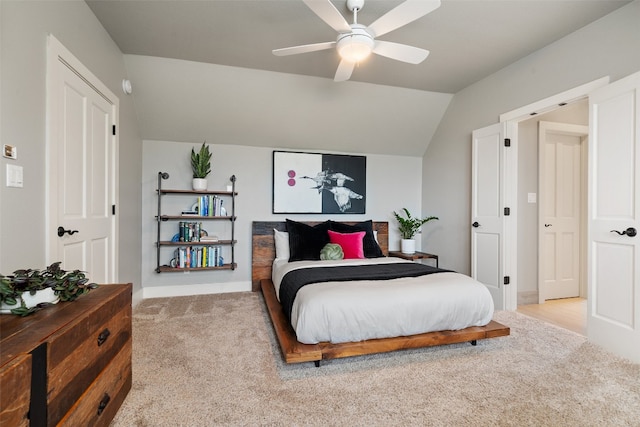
{"x":296,"y":279}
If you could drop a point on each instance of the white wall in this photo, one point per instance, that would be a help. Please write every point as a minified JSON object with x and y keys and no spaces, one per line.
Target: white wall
{"x":393,"y":182}
{"x":608,"y":46}
{"x":23,"y":31}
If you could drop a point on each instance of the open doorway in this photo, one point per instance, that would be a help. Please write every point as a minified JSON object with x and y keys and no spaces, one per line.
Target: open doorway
{"x":562,"y":207}
{"x":567,"y":313}
{"x":517,"y":174}
{"x":540,"y":265}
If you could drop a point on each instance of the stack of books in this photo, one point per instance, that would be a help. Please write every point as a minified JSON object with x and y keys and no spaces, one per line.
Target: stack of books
{"x":210,"y":205}
{"x":198,"y":257}
{"x":190,"y":231}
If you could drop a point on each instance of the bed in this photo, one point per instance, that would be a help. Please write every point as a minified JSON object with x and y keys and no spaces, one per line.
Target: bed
{"x":268,"y":273}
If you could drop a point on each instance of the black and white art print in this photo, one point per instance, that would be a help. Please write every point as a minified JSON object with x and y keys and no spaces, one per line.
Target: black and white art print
{"x":319,"y":183}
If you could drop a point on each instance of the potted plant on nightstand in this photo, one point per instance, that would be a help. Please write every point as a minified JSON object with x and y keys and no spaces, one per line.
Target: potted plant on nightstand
{"x":27,"y":291}
{"x":201,"y":166}
{"x":408,"y":228}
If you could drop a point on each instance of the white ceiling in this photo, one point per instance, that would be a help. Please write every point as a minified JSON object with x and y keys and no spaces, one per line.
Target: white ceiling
{"x":468,"y":39}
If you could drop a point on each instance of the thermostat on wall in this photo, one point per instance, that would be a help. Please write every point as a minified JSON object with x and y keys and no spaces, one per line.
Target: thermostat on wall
{"x":9,"y":151}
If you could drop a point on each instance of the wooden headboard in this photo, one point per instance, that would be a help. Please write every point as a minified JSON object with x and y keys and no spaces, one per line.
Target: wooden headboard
{"x":264,"y":249}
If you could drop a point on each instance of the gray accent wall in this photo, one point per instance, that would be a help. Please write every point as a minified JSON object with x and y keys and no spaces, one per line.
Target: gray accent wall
{"x":393,"y":182}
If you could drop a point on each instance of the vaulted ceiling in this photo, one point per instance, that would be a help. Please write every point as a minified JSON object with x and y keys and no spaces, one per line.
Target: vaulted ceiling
{"x":467,"y":39}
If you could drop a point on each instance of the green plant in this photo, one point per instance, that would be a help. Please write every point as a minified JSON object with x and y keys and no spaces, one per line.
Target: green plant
{"x":66,"y":285}
{"x":410,"y":226}
{"x":201,"y":162}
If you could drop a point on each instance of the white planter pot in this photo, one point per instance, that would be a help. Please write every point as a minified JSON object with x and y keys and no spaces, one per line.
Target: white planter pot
{"x":199,"y":184}
{"x":408,"y":246}
{"x":44,"y":295}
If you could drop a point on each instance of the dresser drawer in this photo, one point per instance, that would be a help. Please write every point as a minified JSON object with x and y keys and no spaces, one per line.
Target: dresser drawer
{"x":15,"y":390}
{"x":100,"y":402}
{"x":77,"y":354}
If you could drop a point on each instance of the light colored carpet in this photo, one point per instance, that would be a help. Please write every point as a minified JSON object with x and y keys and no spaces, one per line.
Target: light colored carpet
{"x":212,"y":360}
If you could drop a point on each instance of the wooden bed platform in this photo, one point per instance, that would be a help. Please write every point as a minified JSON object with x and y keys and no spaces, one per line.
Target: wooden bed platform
{"x":296,"y":352}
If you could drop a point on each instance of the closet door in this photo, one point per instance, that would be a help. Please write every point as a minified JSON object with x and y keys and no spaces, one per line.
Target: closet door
{"x":82,"y":151}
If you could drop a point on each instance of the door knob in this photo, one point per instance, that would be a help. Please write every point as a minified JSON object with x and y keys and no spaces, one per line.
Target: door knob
{"x":476,"y":224}
{"x":61,"y":232}
{"x":547,"y":225}
{"x":631,"y":232}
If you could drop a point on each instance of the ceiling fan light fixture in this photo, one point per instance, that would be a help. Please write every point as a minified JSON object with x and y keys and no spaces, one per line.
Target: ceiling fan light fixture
{"x":355,"y":46}
{"x":355,"y":42}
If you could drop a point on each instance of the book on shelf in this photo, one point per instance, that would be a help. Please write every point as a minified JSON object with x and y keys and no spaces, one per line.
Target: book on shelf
{"x":209,"y":205}
{"x":197,"y":257}
{"x":190,"y":231}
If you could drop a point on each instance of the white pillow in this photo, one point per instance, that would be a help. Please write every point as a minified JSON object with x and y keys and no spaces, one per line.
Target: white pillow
{"x":282,"y":244}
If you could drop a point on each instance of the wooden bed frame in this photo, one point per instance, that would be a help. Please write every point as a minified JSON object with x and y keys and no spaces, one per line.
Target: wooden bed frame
{"x":263,"y":254}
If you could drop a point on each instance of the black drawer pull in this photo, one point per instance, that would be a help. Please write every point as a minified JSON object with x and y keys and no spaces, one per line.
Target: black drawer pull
{"x":103,"y":403}
{"x":103,"y":336}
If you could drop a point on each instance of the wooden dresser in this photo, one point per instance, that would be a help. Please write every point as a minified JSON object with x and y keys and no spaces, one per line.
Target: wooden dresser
{"x":69,"y":364}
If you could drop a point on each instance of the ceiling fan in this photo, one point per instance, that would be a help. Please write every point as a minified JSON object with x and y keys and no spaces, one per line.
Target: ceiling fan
{"x":355,"y":42}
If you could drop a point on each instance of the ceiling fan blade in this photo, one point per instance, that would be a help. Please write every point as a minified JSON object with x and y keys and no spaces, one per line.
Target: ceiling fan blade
{"x":329,"y":14}
{"x":345,"y":68}
{"x":403,"y":14}
{"x":303,"y":48}
{"x":400,"y":52}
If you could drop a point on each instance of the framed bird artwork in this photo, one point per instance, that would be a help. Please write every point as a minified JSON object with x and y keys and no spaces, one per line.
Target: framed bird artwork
{"x":320,"y":183}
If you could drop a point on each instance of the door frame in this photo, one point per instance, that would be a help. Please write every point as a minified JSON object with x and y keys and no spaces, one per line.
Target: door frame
{"x":571,"y":130}
{"x":58,"y":54}
{"x":512,"y":119}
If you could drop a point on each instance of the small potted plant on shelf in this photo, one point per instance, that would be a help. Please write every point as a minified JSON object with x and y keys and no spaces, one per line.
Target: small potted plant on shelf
{"x":408,"y":228}
{"x":201,"y":166}
{"x":27,"y":291}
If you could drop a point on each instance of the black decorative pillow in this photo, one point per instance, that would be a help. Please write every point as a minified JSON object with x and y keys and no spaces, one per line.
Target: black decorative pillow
{"x":371,"y":247}
{"x":305,"y":241}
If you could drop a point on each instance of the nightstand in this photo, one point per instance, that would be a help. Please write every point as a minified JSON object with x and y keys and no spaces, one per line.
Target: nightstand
{"x":414,"y":256}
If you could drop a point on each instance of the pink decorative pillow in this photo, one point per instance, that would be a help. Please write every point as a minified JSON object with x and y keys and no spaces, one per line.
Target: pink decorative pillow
{"x":351,"y":243}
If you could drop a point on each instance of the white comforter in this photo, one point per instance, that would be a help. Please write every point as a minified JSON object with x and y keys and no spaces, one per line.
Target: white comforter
{"x":338,"y":312}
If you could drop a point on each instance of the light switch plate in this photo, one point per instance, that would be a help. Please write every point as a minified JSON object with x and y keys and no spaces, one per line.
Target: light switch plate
{"x":14,"y":176}
{"x":531,"y":197}
{"x":10,"y":151}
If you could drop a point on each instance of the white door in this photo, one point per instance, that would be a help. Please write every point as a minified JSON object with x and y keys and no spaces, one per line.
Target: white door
{"x":487,"y":211}
{"x":614,"y":208}
{"x":81,"y":174}
{"x":560,"y":209}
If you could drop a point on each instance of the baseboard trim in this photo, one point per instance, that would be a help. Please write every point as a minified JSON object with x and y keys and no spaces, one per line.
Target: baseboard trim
{"x":527,"y":297}
{"x":199,"y":289}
